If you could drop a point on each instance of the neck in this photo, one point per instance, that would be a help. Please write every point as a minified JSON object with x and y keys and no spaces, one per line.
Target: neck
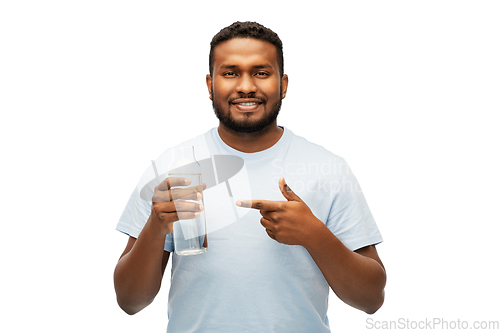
{"x":251,"y":142}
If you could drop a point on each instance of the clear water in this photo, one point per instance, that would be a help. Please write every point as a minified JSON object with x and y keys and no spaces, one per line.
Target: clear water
{"x":190,"y":236}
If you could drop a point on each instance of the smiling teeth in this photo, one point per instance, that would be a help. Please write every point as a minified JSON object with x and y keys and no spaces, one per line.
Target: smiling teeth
{"x":253,"y":103}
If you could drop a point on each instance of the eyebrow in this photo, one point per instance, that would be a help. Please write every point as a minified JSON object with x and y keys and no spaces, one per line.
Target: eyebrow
{"x":256,"y":66}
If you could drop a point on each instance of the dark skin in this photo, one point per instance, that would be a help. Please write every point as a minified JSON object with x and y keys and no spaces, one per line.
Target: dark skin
{"x":248,"y":67}
{"x":140,"y":270}
{"x":358,"y":278}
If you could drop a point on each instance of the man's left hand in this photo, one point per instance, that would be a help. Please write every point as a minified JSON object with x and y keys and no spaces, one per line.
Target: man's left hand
{"x":289,"y":222}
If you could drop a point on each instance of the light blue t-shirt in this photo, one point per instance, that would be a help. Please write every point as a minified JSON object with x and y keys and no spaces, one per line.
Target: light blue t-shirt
{"x":246,"y":281}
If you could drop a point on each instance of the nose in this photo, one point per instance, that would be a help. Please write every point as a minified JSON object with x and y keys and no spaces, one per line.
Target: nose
{"x":246,"y":84}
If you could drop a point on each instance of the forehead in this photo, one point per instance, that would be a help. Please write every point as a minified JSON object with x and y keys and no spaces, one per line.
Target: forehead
{"x":245,"y":51}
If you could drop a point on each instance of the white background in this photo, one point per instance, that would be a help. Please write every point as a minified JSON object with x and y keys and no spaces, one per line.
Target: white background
{"x":90,"y":91}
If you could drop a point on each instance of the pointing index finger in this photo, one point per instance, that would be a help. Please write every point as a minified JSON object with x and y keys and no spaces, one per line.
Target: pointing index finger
{"x":267,"y":205}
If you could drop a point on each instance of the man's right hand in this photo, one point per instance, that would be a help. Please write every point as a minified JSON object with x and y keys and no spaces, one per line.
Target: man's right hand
{"x":170,"y":204}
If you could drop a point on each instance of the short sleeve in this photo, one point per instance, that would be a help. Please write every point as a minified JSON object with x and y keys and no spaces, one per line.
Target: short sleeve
{"x":138,"y":208}
{"x":350,"y":218}
{"x":134,"y":217}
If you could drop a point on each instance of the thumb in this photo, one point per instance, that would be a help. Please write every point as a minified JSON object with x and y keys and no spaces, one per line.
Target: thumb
{"x":287,"y":191}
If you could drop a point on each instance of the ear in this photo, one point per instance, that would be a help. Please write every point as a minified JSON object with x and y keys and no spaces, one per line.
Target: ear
{"x":209,"y":85}
{"x":284,"y":84}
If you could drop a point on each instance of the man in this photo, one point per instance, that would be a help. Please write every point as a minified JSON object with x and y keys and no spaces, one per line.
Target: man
{"x":270,"y":269}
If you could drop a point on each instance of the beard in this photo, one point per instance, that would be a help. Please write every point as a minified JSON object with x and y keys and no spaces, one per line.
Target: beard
{"x":247,"y":125}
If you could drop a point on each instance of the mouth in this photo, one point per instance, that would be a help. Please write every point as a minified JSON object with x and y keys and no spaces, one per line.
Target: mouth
{"x":246,"y":105}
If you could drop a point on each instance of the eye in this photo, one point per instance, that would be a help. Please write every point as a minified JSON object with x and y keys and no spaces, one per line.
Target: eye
{"x":229,"y":74}
{"x":262,"y":74}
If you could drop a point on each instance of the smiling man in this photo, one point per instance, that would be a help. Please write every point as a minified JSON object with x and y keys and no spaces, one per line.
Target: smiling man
{"x":271,"y":269}
{"x":246,"y":86}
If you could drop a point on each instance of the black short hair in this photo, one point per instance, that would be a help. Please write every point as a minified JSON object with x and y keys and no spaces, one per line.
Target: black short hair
{"x":247,"y":30}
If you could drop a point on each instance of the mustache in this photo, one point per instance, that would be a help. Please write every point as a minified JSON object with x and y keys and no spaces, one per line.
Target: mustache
{"x":252,"y":96}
